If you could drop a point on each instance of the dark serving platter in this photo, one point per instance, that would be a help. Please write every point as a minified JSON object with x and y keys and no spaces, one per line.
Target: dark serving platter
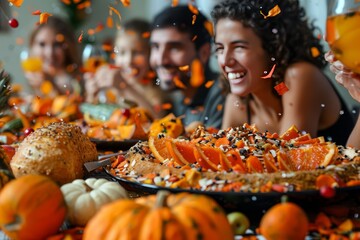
{"x":254,"y":205}
{"x":105,"y":145}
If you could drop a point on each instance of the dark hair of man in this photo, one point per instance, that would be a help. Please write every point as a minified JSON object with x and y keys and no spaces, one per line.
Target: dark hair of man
{"x":184,"y":20}
{"x":286,"y":37}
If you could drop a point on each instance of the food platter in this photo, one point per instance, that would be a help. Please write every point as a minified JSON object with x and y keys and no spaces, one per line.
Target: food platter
{"x":254,"y":205}
{"x":105,"y":145}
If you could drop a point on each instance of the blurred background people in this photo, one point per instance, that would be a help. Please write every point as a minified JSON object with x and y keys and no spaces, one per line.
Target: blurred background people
{"x":130,"y":77}
{"x":266,"y":45}
{"x":180,"y":52}
{"x":350,"y":81}
{"x":52,"y":63}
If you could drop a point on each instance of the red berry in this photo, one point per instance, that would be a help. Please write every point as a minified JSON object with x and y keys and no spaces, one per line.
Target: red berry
{"x":126,"y":112}
{"x":327,"y":192}
{"x":13,"y":23}
{"x":28,"y":131}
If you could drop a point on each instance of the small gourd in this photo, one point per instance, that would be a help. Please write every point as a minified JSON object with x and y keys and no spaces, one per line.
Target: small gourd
{"x":85,"y":197}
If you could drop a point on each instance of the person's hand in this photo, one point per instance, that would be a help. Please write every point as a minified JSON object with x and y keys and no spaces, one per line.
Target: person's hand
{"x":106,"y":77}
{"x":35,"y":79}
{"x":344,"y":76}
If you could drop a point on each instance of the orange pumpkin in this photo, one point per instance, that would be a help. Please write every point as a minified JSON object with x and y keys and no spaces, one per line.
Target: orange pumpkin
{"x":284,"y":221}
{"x":31,"y":207}
{"x":164,"y":216}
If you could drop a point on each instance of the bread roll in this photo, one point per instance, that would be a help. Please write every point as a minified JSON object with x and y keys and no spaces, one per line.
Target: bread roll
{"x":57,"y":151}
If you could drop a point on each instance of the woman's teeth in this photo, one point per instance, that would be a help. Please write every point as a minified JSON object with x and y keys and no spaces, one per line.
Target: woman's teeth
{"x":232,"y":76}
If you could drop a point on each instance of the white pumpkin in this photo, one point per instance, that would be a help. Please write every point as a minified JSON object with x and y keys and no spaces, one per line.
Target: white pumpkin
{"x":85,"y":197}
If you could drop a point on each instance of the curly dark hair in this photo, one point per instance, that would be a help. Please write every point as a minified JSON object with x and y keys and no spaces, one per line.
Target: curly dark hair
{"x":286,"y":37}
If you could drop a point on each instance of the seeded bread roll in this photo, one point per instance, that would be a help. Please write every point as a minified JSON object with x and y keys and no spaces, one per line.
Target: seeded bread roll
{"x":57,"y":151}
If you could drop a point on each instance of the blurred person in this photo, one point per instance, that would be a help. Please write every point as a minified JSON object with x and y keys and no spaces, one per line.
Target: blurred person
{"x":179,"y":37}
{"x":54,"y":44}
{"x":259,"y":48}
{"x":130,"y":77}
{"x":351,"y":81}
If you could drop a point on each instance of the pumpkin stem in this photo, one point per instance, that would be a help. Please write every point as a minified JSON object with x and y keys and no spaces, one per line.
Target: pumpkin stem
{"x":161,"y":197}
{"x":87,"y":187}
{"x":15,"y":225}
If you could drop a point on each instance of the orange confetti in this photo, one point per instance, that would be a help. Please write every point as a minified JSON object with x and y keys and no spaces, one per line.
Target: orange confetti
{"x":109,"y":22}
{"x":174,"y":3}
{"x":197,"y":73}
{"x":208,"y":84}
{"x":270,"y":73}
{"x":67,"y":2}
{"x":60,"y":37}
{"x":166,"y":106}
{"x":145,"y":35}
{"x":91,"y":31}
{"x":193,"y":9}
{"x":44,"y":17}
{"x":37,"y":12}
{"x":281,"y":88}
{"x":184,"y":68}
{"x":179,"y":83}
{"x":16,"y":3}
{"x":209,"y":27}
{"x":194,"y":38}
{"x":112,"y":9}
{"x":83,"y":5}
{"x":273,"y":12}
{"x":99,"y":27}
{"x":187,"y":101}
{"x":126,"y":3}
{"x":219,"y":107}
{"x":193,"y":19}
{"x":80,"y":38}
{"x":315,"y":52}
{"x":46,"y":87}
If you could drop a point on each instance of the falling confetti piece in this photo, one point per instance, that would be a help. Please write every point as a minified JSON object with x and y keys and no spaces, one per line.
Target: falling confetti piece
{"x":145,"y":35}
{"x":37,"y":12}
{"x":115,"y":11}
{"x":16,"y":3}
{"x":67,"y":2}
{"x":194,"y":38}
{"x":197,"y":73}
{"x":209,"y":27}
{"x":281,"y":88}
{"x":126,"y":3}
{"x":179,"y":83}
{"x":184,"y":68}
{"x":80,"y":38}
{"x":315,"y":52}
{"x":187,"y":101}
{"x":193,"y":9}
{"x":109,"y":22}
{"x":270,"y":73}
{"x":272,"y":13}
{"x":219,"y":107}
{"x":166,"y":106}
{"x":174,"y":3}
{"x":44,"y":17}
{"x":60,"y":37}
{"x":209,"y":84}
{"x":83,"y":5}
{"x":193,"y":19}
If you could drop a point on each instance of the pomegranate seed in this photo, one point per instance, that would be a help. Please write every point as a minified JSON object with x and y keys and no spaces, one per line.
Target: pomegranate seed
{"x":126,"y":112}
{"x":28,"y":131}
{"x":13,"y":23}
{"x":327,"y":192}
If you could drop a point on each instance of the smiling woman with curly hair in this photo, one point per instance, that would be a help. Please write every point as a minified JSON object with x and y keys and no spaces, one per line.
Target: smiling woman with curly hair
{"x":261,"y":44}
